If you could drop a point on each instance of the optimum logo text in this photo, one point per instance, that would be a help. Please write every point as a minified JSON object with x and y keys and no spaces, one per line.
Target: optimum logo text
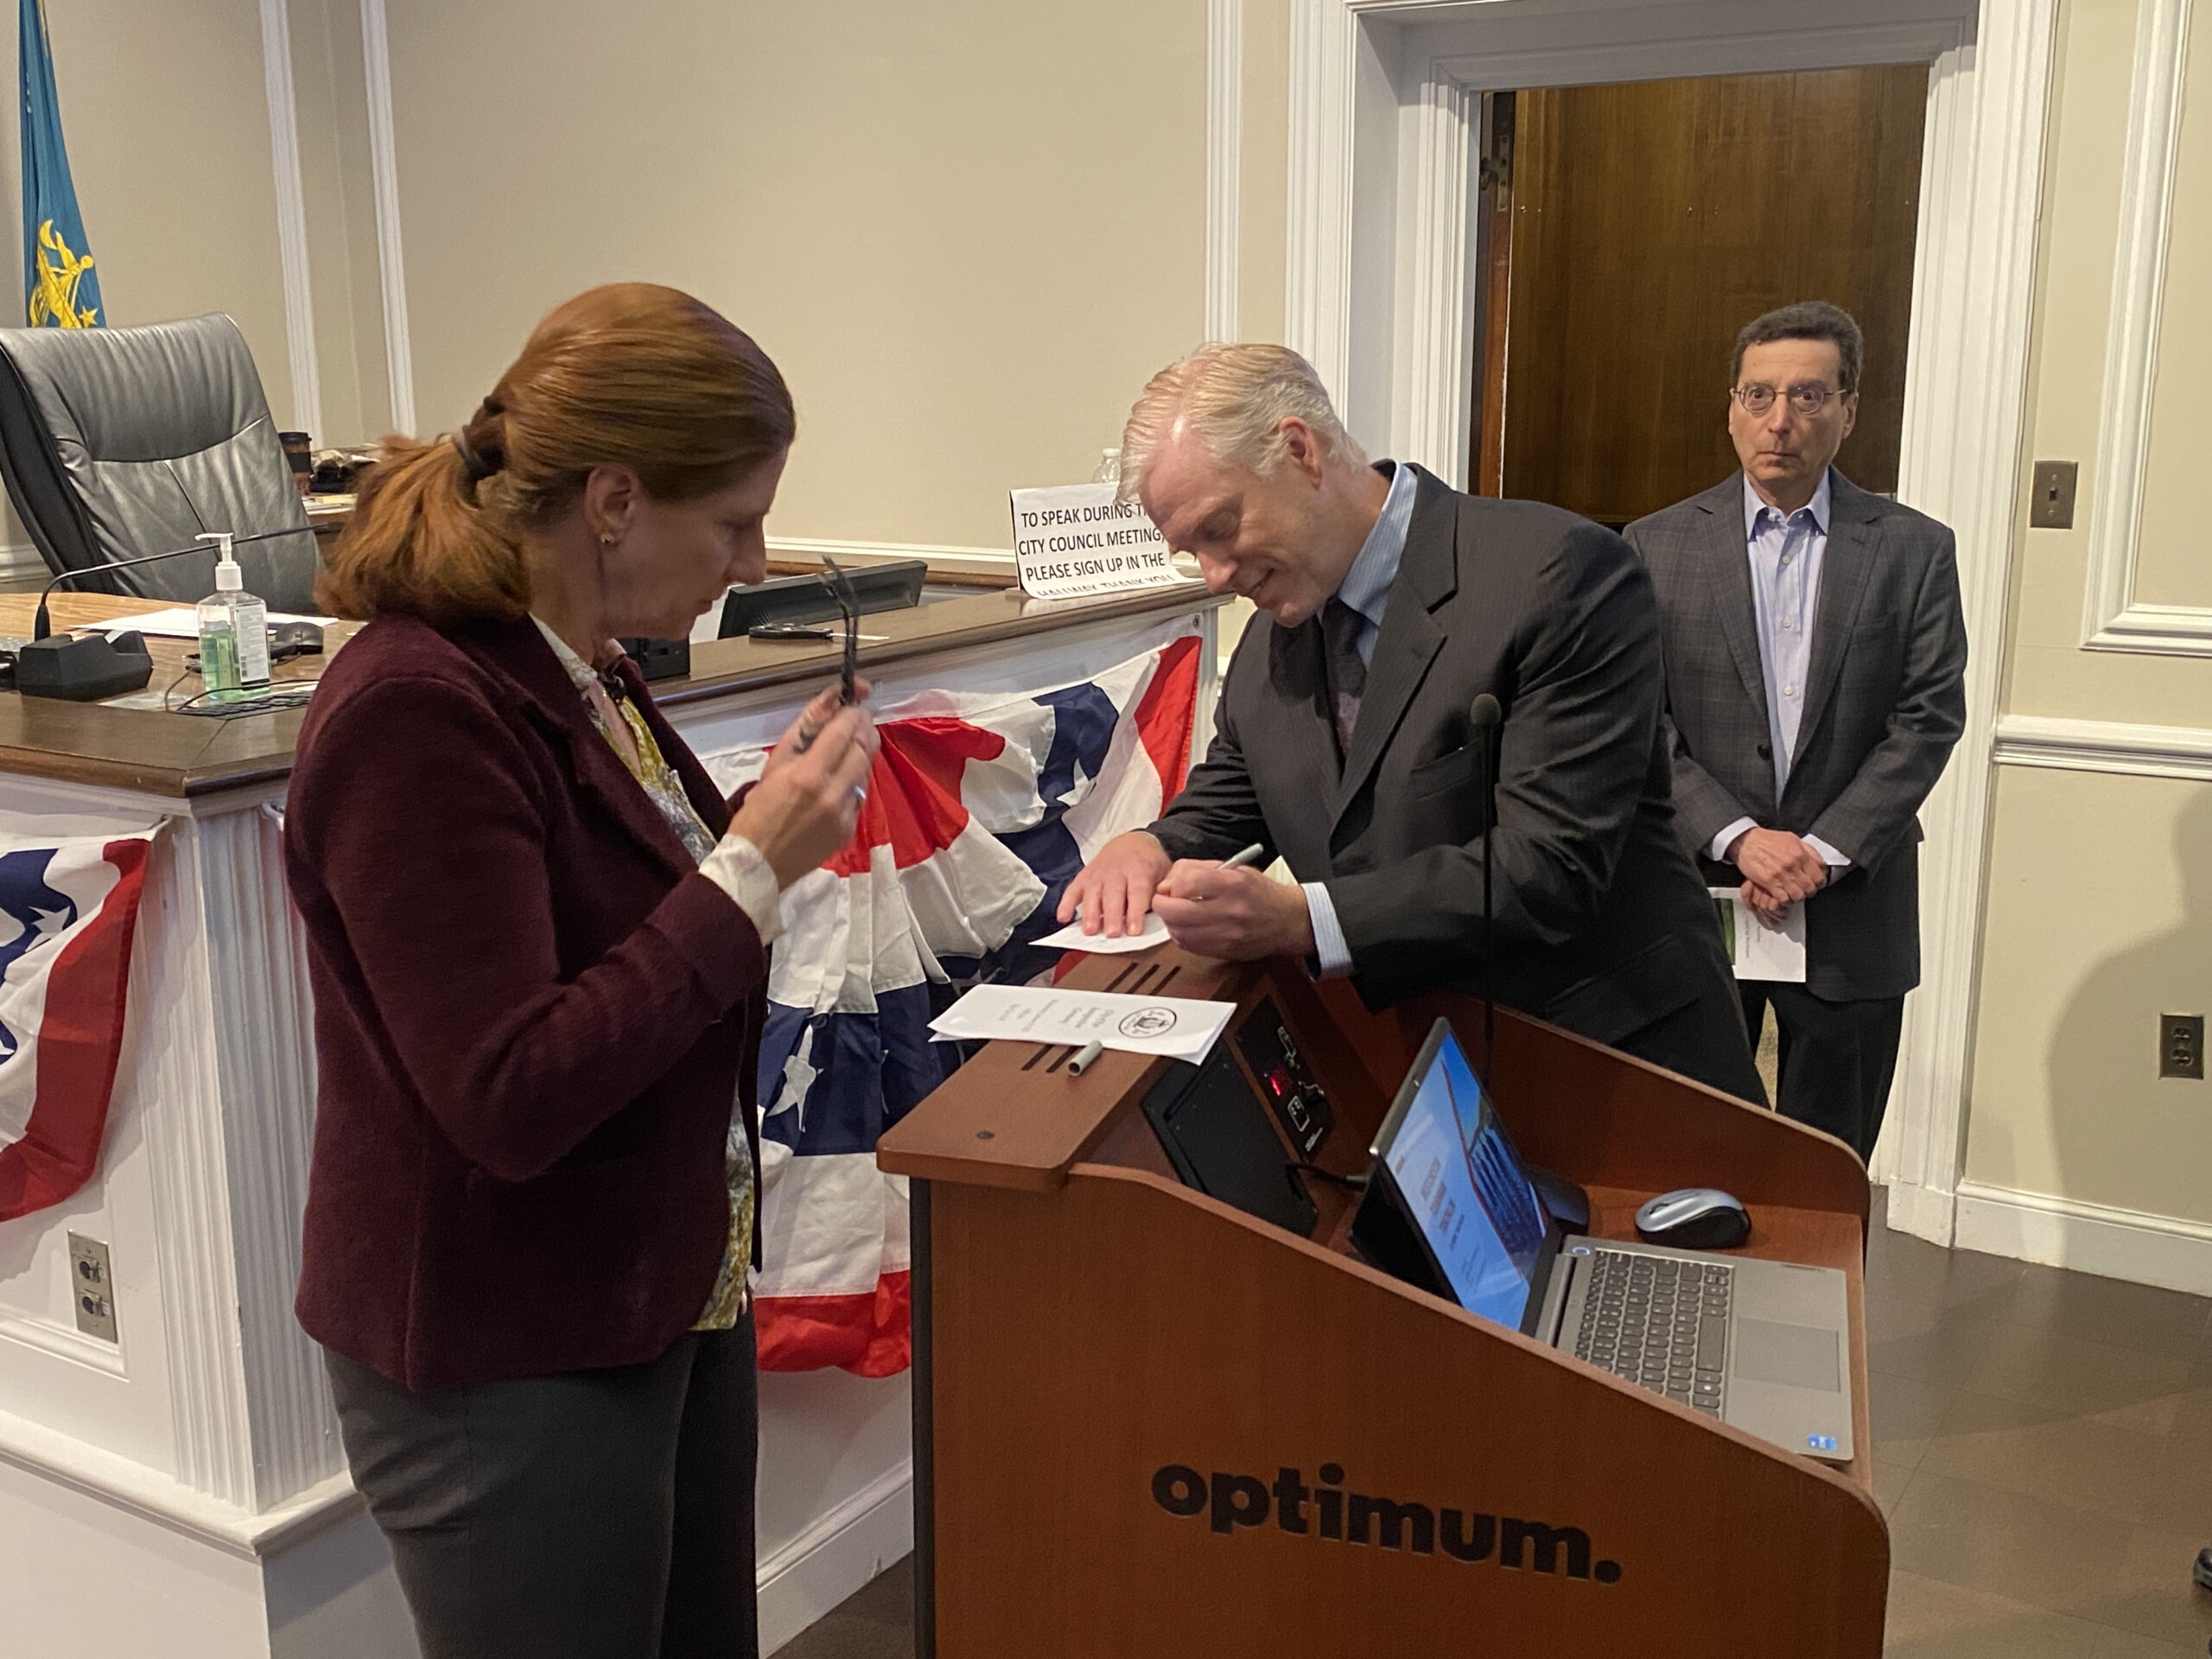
{"x":1233,"y":1503}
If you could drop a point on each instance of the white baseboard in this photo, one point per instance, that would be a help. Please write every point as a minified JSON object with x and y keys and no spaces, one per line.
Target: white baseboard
{"x":125,"y":1484}
{"x":2163,"y":1250}
{"x":836,"y":1556}
{"x":1922,"y":1212}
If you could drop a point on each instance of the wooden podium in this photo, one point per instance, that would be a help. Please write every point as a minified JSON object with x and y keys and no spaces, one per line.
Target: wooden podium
{"x":1148,"y":1424}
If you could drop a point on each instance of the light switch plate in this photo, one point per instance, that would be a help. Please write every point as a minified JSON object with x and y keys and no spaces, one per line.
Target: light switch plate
{"x":2053,"y":506}
{"x":92,"y":1286}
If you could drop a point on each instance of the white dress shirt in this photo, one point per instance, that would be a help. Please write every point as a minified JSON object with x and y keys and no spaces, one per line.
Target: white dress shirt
{"x":1786,"y":555}
{"x":1366,"y":589}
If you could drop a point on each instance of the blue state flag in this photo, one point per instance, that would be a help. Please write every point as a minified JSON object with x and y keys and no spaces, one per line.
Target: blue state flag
{"x":62,"y":290}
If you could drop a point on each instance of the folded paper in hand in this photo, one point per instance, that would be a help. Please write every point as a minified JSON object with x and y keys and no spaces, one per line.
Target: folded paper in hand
{"x":1758,"y":950}
{"x":1181,"y":1027}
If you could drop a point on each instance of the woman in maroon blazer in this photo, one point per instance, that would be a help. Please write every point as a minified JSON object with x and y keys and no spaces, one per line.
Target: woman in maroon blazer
{"x":538,"y":940}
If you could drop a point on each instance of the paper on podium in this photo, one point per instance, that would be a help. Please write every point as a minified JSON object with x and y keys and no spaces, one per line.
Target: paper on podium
{"x":1153,"y":934}
{"x":1756,"y":949}
{"x":1181,"y":1027}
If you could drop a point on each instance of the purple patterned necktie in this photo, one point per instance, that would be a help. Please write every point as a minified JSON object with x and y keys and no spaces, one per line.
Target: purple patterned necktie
{"x":1347,"y":672}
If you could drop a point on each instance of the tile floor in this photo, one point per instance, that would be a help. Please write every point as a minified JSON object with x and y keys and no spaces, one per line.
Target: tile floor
{"x":2043,"y":1449}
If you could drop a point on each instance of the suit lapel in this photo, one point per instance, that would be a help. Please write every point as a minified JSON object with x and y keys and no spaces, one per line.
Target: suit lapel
{"x":1410,"y":639}
{"x":519,"y":652}
{"x":1728,"y":569}
{"x":1846,"y":569}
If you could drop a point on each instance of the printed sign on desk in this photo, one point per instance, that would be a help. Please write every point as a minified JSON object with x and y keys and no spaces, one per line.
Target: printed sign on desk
{"x":1077,"y":540}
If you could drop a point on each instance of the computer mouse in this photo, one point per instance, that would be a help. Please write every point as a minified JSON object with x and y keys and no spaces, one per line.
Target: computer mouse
{"x":289,"y":639}
{"x":1693,"y":1218}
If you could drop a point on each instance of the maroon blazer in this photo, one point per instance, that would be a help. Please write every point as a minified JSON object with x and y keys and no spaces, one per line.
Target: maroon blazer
{"x":532,"y":1014}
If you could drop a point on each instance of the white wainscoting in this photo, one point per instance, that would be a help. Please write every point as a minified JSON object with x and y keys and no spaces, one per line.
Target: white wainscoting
{"x":2170,"y":1251}
{"x":2108,"y":746}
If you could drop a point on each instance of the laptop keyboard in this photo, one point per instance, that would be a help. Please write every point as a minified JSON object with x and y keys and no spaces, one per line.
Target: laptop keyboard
{"x":1659,"y":1322}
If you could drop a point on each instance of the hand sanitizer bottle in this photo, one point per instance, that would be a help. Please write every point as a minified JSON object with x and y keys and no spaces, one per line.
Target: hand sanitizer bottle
{"x":233,"y":630}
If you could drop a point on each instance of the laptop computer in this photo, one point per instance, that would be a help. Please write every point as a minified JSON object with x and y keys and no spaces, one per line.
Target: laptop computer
{"x":1763,"y":1346}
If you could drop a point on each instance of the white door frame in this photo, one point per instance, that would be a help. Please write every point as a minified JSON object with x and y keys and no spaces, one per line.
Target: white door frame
{"x":1379,"y":298}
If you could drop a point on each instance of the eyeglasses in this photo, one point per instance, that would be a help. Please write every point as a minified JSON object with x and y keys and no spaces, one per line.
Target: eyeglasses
{"x":840,"y":589}
{"x":1807,"y":399}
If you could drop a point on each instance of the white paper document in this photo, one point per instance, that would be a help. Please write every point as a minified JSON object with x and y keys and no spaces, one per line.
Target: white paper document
{"x":1151,"y":935}
{"x":182,"y":622}
{"x":1757,"y":950}
{"x":1181,"y":1027}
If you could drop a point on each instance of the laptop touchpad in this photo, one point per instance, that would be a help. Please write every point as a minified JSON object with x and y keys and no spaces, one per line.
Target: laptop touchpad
{"x":1802,"y":1356}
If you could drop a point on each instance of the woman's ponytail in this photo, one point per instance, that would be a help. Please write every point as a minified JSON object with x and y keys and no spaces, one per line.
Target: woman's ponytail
{"x":632,"y":374}
{"x":420,"y":543}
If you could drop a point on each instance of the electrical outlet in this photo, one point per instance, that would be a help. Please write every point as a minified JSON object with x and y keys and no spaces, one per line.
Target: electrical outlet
{"x":92,"y":1284}
{"x":2181,"y":1046}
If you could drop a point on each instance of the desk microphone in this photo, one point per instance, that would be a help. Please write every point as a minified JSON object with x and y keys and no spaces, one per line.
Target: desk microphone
{"x":84,"y":668}
{"x":1486,"y":718}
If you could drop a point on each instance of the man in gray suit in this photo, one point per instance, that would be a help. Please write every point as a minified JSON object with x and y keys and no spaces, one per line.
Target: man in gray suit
{"x":1816,"y":659}
{"x":1388,"y":603}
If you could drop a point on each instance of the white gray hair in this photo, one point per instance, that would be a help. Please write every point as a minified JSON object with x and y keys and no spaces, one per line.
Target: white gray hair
{"x":1235,"y":399}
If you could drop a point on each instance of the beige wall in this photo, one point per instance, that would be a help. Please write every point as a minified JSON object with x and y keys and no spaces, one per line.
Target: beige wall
{"x":967,"y":232}
{"x":2098,"y":914}
{"x":1264,"y":184}
{"x":167,"y":122}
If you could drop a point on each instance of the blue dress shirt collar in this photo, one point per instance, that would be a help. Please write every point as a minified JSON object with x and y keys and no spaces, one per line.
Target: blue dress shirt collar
{"x":1818,"y":506}
{"x":1366,"y":586}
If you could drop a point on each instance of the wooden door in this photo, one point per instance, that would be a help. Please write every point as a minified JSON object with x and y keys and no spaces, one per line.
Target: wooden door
{"x":1648,"y":222}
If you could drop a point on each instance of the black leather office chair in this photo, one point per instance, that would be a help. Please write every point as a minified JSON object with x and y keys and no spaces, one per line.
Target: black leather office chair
{"x":119,"y":442}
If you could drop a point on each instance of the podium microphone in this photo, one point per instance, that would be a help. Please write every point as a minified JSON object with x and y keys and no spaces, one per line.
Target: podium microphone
{"x":1486,"y":717}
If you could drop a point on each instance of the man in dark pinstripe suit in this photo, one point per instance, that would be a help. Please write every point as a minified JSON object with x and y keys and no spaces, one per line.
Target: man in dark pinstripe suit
{"x":1345,"y":742}
{"x":1816,"y":660}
